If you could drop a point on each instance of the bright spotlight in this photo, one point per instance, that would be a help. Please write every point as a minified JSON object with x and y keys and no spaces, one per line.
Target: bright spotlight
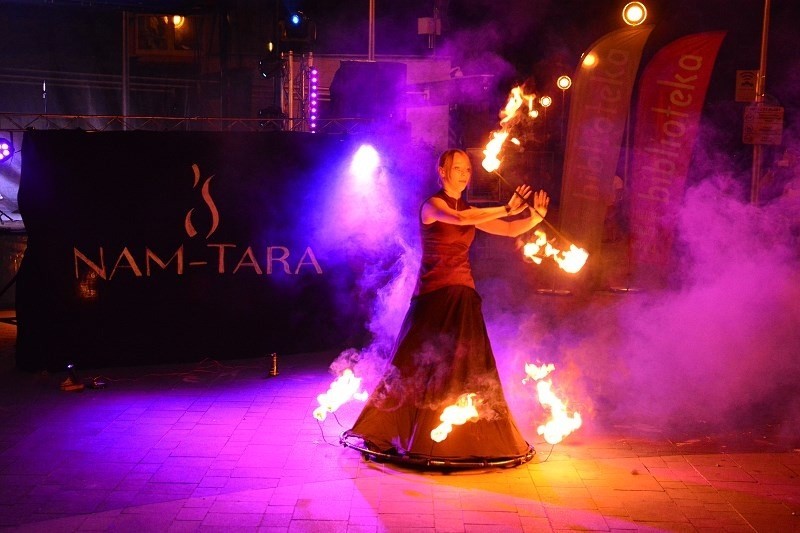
{"x":177,"y":21}
{"x":6,"y":149}
{"x":296,"y":30}
{"x":365,"y":162}
{"x":634,"y":13}
{"x":545,"y":101}
{"x":564,"y":82}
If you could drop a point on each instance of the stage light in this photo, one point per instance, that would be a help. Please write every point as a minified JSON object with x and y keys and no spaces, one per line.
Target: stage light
{"x":177,"y":21}
{"x":313,"y":85}
{"x":634,"y":13}
{"x":297,"y":27}
{"x":6,"y":149}
{"x":364,"y":163}
{"x":545,"y":101}
{"x":563,"y":82}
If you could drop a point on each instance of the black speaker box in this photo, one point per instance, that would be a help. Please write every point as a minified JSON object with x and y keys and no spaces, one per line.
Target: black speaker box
{"x":369,"y":90}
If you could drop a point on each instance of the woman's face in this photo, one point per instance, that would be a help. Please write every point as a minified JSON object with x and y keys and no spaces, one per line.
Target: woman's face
{"x":457,"y":176}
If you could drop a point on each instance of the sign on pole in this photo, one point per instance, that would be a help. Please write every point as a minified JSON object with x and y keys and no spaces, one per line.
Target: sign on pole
{"x":763,"y":124}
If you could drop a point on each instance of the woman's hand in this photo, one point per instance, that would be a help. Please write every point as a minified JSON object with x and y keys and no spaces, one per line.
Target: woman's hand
{"x":518,"y":201}
{"x":540,"y":203}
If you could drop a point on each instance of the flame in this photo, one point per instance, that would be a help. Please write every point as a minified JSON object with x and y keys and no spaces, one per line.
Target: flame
{"x":560,"y":424}
{"x":536,"y":373}
{"x":490,"y":162}
{"x":570,"y":261}
{"x":515,"y":100}
{"x":455,"y":415}
{"x":340,"y":391}
{"x":509,"y":116}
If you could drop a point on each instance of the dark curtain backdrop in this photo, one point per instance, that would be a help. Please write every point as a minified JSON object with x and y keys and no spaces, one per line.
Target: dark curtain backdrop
{"x":226,"y":213}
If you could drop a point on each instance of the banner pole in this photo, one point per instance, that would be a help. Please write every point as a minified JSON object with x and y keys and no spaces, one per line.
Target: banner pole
{"x":761,"y":82}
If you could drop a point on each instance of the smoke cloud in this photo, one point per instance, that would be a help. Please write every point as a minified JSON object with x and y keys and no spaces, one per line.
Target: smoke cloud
{"x":717,"y":351}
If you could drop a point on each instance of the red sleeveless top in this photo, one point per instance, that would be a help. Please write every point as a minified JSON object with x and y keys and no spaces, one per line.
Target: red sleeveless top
{"x":445,"y":251}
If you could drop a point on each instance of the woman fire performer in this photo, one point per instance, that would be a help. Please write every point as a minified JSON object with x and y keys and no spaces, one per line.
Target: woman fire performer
{"x":443,"y":350}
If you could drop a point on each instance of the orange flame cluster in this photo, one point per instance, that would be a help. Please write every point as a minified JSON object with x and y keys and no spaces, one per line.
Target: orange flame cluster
{"x":457,"y":414}
{"x":570,"y":261}
{"x":343,"y":388}
{"x":560,"y":424}
{"x":509,"y":116}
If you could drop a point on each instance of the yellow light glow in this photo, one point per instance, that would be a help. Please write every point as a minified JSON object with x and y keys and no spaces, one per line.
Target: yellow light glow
{"x":177,"y":21}
{"x":634,"y":13}
{"x":545,"y":101}
{"x":564,"y":82}
{"x":590,"y":60}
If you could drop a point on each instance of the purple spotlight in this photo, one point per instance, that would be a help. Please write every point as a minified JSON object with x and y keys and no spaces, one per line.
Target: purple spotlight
{"x":6,"y":149}
{"x":364,"y":164}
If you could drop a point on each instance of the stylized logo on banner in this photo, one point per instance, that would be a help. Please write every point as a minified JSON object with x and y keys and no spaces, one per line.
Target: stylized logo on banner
{"x":598,"y":113}
{"x":275,"y":258}
{"x":206,"y":195}
{"x":671,"y":96}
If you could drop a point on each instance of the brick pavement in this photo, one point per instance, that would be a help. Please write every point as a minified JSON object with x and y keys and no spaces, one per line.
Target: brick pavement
{"x":220,"y":446}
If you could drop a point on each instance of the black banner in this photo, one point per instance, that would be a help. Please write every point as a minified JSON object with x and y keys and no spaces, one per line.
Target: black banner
{"x":152,"y":247}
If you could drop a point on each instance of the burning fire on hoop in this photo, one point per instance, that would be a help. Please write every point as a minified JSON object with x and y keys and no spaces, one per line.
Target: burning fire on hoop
{"x":343,"y":389}
{"x":554,"y":430}
{"x":573,"y":258}
{"x":560,"y":423}
{"x":461,"y":412}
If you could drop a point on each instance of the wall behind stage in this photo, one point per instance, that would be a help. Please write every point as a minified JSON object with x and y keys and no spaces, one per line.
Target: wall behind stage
{"x":152,"y":247}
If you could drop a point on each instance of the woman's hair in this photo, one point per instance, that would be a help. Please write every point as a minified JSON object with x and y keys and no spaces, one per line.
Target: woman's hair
{"x":446,"y":159}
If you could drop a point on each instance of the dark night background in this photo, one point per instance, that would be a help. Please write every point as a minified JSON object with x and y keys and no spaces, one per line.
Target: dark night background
{"x":529,"y":42}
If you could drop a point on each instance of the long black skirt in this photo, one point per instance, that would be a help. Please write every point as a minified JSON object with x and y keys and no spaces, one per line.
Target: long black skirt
{"x":443,"y":353}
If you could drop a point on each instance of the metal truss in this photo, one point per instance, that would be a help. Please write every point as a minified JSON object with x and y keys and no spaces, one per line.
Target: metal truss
{"x":20,"y":122}
{"x":295,"y":90}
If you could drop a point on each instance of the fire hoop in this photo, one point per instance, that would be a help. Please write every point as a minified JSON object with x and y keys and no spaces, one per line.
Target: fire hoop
{"x":421,"y":461}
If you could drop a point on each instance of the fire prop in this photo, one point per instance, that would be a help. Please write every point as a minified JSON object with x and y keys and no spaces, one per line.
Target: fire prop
{"x":508,"y":118}
{"x":560,"y":424}
{"x":455,"y":415}
{"x":340,"y":392}
{"x":570,"y":261}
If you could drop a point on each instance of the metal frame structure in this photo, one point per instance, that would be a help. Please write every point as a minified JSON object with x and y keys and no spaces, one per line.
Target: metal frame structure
{"x":21,"y":122}
{"x":295,"y":90}
{"x":418,"y":461}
